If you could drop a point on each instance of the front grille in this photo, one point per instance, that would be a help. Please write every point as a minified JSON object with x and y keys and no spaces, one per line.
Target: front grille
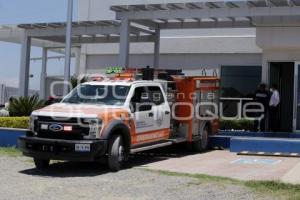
{"x":79,"y":129}
{"x":73,"y":120}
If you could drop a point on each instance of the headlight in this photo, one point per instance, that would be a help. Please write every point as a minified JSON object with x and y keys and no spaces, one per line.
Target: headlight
{"x":95,"y":126}
{"x":32,"y":121}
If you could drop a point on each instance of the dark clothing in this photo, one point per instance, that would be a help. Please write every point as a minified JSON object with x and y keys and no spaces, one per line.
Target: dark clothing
{"x":263,"y":97}
{"x":260,"y":125}
{"x":274,"y":119}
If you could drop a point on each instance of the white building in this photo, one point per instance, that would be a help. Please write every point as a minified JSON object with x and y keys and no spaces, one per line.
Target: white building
{"x":188,"y":49}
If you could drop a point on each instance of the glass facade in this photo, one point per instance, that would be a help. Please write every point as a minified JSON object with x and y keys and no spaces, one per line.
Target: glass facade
{"x":240,"y":81}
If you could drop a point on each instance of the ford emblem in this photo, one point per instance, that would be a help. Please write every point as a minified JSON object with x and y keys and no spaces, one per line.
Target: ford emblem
{"x":56,"y":127}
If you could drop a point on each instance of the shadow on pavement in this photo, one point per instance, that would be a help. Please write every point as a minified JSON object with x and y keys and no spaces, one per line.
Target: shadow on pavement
{"x":88,"y":169}
{"x":69,"y":169}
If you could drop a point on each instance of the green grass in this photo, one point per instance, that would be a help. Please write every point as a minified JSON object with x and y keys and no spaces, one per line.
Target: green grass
{"x":10,"y":151}
{"x":276,"y":188}
{"x":14,"y":152}
{"x":271,"y":188}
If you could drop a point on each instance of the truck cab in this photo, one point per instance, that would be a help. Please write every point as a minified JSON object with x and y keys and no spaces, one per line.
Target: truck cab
{"x":109,"y":119}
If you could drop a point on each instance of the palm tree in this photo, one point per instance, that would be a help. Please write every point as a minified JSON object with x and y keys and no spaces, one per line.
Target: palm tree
{"x":23,"y":106}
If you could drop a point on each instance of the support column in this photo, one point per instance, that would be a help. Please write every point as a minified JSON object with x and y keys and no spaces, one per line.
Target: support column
{"x":83,"y":65}
{"x":77,"y":61}
{"x":68,"y":48}
{"x":24,"y":65}
{"x":156,"y":48}
{"x":265,"y":71}
{"x":43,"y":74}
{"x":124,"y":43}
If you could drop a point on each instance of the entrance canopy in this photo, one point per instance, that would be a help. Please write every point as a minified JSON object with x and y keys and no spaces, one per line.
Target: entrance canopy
{"x":84,"y":32}
{"x":208,"y":13}
{"x":187,"y":14}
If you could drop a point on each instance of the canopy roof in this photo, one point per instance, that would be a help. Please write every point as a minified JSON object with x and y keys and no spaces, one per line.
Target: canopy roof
{"x":207,"y":13}
{"x":84,"y":32}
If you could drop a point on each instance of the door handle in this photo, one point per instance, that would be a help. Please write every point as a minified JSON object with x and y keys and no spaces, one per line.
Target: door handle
{"x":167,"y":112}
{"x":151,"y":114}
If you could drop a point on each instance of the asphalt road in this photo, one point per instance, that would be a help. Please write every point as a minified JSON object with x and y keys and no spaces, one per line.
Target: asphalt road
{"x":20,"y":180}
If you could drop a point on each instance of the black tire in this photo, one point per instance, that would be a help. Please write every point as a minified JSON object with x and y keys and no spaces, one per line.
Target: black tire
{"x":202,"y":144}
{"x":41,"y":163}
{"x":116,"y":153}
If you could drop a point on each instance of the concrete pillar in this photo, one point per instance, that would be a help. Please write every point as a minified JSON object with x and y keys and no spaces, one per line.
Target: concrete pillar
{"x":68,"y":49}
{"x":156,"y":48}
{"x":24,"y":65}
{"x":2,"y":94}
{"x":124,"y":43}
{"x":77,"y":61}
{"x":83,"y":64}
{"x":82,"y":61}
{"x":43,"y":74}
{"x":265,"y":71}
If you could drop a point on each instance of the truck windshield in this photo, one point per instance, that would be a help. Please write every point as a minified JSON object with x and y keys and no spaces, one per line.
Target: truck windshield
{"x":98,"y":94}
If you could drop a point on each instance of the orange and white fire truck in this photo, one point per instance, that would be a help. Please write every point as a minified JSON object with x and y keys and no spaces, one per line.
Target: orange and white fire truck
{"x":136,"y":110}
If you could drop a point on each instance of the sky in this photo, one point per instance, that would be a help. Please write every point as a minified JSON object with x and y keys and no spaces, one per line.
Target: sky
{"x":29,"y":11}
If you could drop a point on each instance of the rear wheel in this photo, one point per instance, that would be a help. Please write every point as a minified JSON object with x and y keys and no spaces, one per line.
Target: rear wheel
{"x":41,"y":163}
{"x":116,"y":153}
{"x":202,"y":144}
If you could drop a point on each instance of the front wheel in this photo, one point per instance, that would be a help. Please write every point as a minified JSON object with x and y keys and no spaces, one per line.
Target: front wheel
{"x":41,"y":163}
{"x":202,"y":144}
{"x":116,"y":153}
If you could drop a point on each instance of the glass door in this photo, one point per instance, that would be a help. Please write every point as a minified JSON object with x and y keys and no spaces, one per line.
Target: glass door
{"x":282,"y":74}
{"x":297,"y":98}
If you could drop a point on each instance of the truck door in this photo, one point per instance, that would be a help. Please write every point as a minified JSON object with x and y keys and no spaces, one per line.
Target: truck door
{"x":142,"y":107}
{"x":161,"y":108}
{"x":151,"y":114}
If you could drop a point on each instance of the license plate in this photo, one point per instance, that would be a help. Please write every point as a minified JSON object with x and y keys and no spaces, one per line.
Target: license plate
{"x":82,"y":147}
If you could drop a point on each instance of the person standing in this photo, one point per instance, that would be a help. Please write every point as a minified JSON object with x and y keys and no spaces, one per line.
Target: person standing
{"x":262,"y":97}
{"x":274,"y":108}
